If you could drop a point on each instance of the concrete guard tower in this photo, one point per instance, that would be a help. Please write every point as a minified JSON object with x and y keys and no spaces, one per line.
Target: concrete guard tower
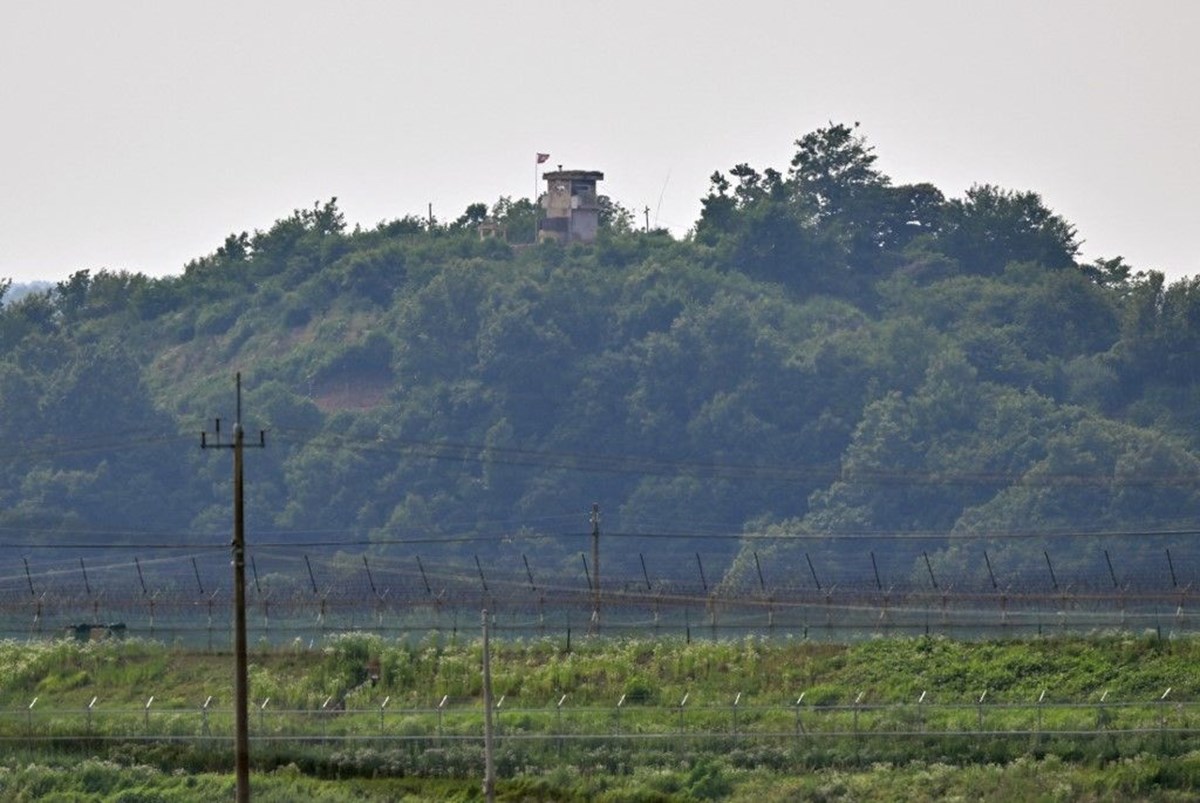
{"x":572,"y":206}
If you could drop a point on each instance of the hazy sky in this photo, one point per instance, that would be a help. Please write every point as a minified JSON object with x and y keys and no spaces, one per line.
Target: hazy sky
{"x":137,"y":135}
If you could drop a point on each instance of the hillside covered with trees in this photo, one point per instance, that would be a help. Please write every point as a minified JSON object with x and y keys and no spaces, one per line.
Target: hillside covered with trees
{"x":827,"y":352}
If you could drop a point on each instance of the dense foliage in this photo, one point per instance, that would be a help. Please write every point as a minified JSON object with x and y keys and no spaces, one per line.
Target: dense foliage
{"x":827,"y":352}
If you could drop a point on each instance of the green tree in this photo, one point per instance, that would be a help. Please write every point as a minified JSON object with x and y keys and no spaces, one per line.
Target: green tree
{"x":474,"y":215}
{"x":518,"y":217}
{"x":833,"y":224}
{"x":33,"y":314}
{"x":71,"y":295}
{"x":1113,"y":273}
{"x":834,"y":169}
{"x":614,"y":216}
{"x":991,"y":227}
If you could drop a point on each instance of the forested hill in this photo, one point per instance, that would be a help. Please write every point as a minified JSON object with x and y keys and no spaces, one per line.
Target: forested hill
{"x":826,"y":353}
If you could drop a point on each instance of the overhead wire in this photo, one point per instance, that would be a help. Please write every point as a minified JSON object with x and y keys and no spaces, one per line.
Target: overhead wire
{"x":463,"y":451}
{"x":268,"y":538}
{"x":56,"y":446}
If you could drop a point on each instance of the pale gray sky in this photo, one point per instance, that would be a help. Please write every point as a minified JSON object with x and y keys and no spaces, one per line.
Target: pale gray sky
{"x":136,"y":135}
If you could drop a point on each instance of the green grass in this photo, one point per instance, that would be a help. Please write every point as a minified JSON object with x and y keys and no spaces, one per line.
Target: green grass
{"x":1142,"y":777}
{"x":710,"y":750}
{"x":599,"y":672}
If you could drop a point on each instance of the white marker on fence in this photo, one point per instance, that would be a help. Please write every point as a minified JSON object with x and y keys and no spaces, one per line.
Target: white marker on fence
{"x":799,"y":724}
{"x":204,"y":715}
{"x":382,"y":706}
{"x":1041,"y":698}
{"x":440,"y":709}
{"x":921,"y":699}
{"x":1162,"y":709}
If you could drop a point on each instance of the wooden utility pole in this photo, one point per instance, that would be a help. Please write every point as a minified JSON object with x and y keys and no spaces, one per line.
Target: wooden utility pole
{"x":489,"y":746}
{"x":240,"y":683}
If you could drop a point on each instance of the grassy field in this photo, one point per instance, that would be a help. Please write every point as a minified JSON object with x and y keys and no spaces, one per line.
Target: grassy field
{"x":361,"y":718}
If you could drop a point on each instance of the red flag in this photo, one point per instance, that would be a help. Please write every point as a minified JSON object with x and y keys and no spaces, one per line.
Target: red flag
{"x":542,"y":157}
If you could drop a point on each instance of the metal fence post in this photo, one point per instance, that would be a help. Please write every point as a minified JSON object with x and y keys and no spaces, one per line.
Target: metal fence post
{"x":323,"y":714}
{"x":204,"y":729}
{"x":90,"y":706}
{"x":558,"y":721}
{"x":1162,"y":716}
{"x":1101,"y":715}
{"x":499,"y":705}
{"x":1038,"y":730}
{"x":440,"y":708}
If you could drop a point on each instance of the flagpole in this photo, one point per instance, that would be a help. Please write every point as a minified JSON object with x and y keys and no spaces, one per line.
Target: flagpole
{"x":538,"y":158}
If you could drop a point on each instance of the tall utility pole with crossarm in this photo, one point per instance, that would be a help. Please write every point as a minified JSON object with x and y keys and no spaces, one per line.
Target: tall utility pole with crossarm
{"x":241,"y":685}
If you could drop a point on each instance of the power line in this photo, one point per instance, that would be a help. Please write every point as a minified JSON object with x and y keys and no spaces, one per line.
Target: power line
{"x":520,"y":534}
{"x":55,"y":446}
{"x":470,"y":452}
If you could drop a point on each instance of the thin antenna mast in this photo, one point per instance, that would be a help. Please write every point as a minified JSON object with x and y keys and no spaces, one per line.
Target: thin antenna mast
{"x":661,"y":193}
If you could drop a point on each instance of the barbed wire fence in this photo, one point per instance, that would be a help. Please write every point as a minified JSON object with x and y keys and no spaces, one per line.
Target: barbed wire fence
{"x":301,"y":594}
{"x":1157,"y":721}
{"x":855,"y":589}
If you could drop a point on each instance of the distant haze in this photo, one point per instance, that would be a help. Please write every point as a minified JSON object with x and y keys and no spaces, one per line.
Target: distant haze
{"x":16,"y":292}
{"x":138,"y":135}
